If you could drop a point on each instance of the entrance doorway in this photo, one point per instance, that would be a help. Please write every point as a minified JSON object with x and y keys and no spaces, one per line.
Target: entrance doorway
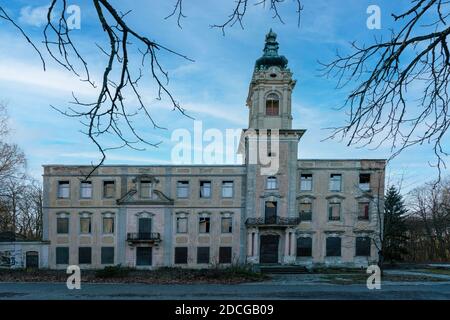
{"x":269,"y":249}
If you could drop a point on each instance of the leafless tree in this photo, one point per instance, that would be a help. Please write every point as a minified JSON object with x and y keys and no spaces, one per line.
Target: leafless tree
{"x":387,"y":73}
{"x":110,"y":114}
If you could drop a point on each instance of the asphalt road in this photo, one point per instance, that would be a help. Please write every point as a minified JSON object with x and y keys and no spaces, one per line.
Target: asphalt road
{"x":278,"y":289}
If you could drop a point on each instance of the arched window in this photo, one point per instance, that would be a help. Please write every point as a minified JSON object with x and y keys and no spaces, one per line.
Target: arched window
{"x":272,"y":105}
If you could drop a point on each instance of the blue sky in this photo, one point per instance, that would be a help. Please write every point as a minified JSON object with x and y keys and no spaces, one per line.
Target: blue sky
{"x":213,"y":89}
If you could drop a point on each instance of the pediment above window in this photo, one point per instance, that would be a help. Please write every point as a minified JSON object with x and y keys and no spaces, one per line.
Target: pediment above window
{"x":158,"y":198}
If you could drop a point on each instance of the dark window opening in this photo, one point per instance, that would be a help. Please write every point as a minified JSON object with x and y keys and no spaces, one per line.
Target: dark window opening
{"x":225,"y":255}
{"x":181,"y":255}
{"x":85,"y":255}
{"x":203,"y":255}
{"x":304,"y":247}
{"x":363,"y":246}
{"x":333,"y":247}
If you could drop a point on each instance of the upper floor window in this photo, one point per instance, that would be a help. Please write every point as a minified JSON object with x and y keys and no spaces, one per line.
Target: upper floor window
{"x":272,"y":183}
{"x":272,"y":105}
{"x":63,"y":189}
{"x":146,"y":189}
{"x":334,"y":211}
{"x":306,"y":182}
{"x":204,"y":224}
{"x":227,"y":189}
{"x":305,"y":211}
{"x":182,"y":189}
{"x":182,"y":224}
{"x":62,"y":225}
{"x":205,"y":189}
{"x":363,"y":210}
{"x":108,"y":225}
{"x":336,"y":182}
{"x":227,"y":225}
{"x":86,"y":189}
{"x":364,"y":181}
{"x":85,"y":225}
{"x":109,"y":189}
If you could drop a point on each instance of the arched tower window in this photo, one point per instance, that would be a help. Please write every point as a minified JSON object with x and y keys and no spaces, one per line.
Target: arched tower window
{"x":273,"y":105}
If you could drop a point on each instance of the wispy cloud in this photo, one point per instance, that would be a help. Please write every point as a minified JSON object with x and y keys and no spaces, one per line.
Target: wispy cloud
{"x":34,"y":16}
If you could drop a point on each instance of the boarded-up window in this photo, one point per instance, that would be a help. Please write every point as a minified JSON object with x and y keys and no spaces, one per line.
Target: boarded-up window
{"x":306,"y":182}
{"x":107,"y":255}
{"x":205,"y":189}
{"x":86,"y":190}
{"x":203,"y":224}
{"x":62,"y":255}
{"x":85,"y":255}
{"x":144,"y":256}
{"x":333,"y":247}
{"x":146,"y":189}
{"x":203,"y":255}
{"x":109,"y":189}
{"x":182,"y":225}
{"x":62,"y":225}
{"x":85,"y":225}
{"x":63,"y":189}
{"x":363,"y":210}
{"x":183,"y":189}
{"x":108,"y":225}
{"x":227,"y":225}
{"x":306,"y":211}
{"x":336,"y":182}
{"x":225,"y":255}
{"x":181,"y":255}
{"x":334,"y":211}
{"x":363,"y":246}
{"x":227,"y":189}
{"x":304,"y":247}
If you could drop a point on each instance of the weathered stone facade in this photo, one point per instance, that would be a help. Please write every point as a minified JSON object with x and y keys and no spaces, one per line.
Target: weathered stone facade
{"x":307,"y":212}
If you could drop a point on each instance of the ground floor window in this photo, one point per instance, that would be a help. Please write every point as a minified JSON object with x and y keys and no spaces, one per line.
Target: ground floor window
{"x":202,"y":255}
{"x":85,"y":255}
{"x":225,"y":255}
{"x":333,"y":247}
{"x":363,"y":247}
{"x":62,"y":255}
{"x":181,"y":255}
{"x":304,"y":247}
{"x":144,"y":256}
{"x":107,"y":255}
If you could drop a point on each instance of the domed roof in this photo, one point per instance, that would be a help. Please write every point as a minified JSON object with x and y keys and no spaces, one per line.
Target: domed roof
{"x":270,"y":57}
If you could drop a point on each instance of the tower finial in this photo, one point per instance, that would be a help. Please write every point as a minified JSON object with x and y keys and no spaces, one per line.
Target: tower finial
{"x":271,"y":56}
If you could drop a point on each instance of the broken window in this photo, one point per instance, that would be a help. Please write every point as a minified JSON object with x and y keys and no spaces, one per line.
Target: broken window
{"x":108,"y":225}
{"x":364,"y":181}
{"x":272,"y":183}
{"x":204,"y":225}
{"x":227,"y":189}
{"x":85,"y":225}
{"x":182,"y":225}
{"x":109,"y":189}
{"x":86,"y":190}
{"x":146,"y":189}
{"x":227,"y":225}
{"x":363,"y":210}
{"x":305,"y":211}
{"x":335,"y":182}
{"x":63,"y":189}
{"x":183,"y":189}
{"x":306,"y":182}
{"x":334,"y":211}
{"x":205,"y":189}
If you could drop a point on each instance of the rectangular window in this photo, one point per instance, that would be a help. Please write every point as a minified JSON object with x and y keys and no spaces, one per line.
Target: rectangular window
{"x":363,"y":247}
{"x":270,"y":212}
{"x":183,"y":189}
{"x":109,"y":189}
{"x":85,"y":225}
{"x":304,"y":247}
{"x":62,"y":225}
{"x":108,"y":225}
{"x":63,"y":189}
{"x":333,"y":247}
{"x":335,"y":182}
{"x":225,"y":255}
{"x":305,"y":211}
{"x":181,"y":255}
{"x":182,"y":225}
{"x":334,"y":211}
{"x":146,"y":189}
{"x":107,"y":255}
{"x":144,"y":256}
{"x":203,"y":225}
{"x":363,"y":210}
{"x":227,"y":225}
{"x":364,"y":181}
{"x":85,"y":255}
{"x":306,"y":182}
{"x":86,"y":190}
{"x":205,"y":189}
{"x":272,"y":183}
{"x":203,"y":255}
{"x":227,"y":189}
{"x":62,"y":255}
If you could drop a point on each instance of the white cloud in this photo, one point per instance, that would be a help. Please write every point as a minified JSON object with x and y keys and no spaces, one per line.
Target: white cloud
{"x":34,"y":16}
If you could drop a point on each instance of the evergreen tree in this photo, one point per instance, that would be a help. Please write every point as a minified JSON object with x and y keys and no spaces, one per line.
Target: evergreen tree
{"x":395,"y":229}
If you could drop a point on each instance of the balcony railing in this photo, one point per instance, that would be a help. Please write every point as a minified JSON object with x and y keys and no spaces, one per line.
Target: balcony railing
{"x":273,"y":221}
{"x":144,"y":237}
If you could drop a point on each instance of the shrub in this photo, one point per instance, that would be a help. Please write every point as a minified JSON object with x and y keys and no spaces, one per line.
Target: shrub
{"x":113,"y":272}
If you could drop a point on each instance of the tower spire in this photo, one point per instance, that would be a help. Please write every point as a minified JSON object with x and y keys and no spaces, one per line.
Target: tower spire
{"x":271,"y":57}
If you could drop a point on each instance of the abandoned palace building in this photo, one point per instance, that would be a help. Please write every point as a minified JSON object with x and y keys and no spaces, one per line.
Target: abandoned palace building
{"x":309,"y":212}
